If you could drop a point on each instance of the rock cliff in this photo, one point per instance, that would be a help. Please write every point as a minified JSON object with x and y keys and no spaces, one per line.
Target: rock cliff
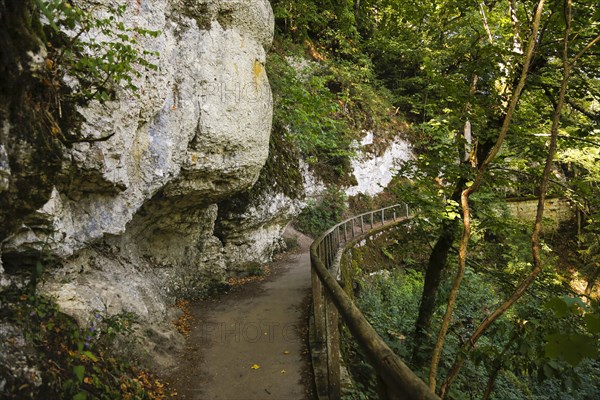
{"x":128,"y":223}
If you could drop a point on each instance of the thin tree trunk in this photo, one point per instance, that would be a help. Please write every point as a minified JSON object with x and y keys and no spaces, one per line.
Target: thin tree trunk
{"x":535,"y":237}
{"x":433,"y":276}
{"x":498,"y":367}
{"x":462,"y":252}
{"x":438,"y":259}
{"x":492,"y":381}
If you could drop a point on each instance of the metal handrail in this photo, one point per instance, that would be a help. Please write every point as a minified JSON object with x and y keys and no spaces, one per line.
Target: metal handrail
{"x":396,"y":380}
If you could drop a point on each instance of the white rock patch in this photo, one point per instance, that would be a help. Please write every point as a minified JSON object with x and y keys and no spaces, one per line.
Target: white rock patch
{"x":373,"y":173}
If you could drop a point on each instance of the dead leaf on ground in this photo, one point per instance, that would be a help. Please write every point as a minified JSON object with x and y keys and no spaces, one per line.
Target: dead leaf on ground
{"x":183,"y":322}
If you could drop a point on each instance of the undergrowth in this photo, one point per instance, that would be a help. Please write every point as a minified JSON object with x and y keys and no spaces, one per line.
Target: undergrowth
{"x":71,"y":362}
{"x":545,"y":348}
{"x":320,"y":215}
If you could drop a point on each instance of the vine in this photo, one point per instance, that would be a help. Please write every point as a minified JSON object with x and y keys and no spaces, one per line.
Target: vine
{"x":90,"y":53}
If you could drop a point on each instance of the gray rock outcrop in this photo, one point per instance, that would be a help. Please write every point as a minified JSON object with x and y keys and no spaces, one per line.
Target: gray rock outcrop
{"x":129,"y":224}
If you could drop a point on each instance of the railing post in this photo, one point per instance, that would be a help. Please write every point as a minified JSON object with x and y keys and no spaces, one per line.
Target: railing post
{"x":345,"y":232}
{"x":333,"y":248}
{"x":362,"y":224}
{"x":337,"y":239}
{"x":333,"y":349}
{"x":318,"y":311}
{"x":326,"y":252}
{"x":329,"y":250}
{"x":382,"y":217}
{"x":372,"y":219}
{"x":323,"y":252}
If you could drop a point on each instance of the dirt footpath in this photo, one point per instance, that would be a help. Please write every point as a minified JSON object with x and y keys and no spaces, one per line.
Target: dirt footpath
{"x":251,"y":344}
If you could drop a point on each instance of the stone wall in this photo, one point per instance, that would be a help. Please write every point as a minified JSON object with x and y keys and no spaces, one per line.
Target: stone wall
{"x":556,"y":210}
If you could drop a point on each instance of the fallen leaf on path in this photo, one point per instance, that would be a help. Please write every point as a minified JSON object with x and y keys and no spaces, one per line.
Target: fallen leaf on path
{"x":233,"y":281}
{"x":286,"y":352}
{"x":282,"y":371}
{"x":255,"y":366}
{"x":183,"y":322}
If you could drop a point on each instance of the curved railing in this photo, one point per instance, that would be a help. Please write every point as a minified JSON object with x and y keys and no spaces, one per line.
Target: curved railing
{"x":396,"y":380}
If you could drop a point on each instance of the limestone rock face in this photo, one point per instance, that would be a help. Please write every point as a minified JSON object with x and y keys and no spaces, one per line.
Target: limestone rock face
{"x":373,"y":172}
{"x":18,"y":372}
{"x":198,"y":130}
{"x":29,"y":160}
{"x":130,"y":223}
{"x":251,"y":229}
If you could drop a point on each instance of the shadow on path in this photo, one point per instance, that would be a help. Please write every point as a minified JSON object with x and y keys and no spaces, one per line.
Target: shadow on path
{"x":251,"y":343}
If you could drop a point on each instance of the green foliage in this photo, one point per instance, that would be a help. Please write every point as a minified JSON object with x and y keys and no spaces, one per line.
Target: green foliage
{"x":390,"y":302}
{"x":573,"y":346}
{"x":528,"y":350}
{"x":317,"y":217}
{"x":306,"y":111}
{"x":90,"y":44}
{"x":326,"y":101}
{"x":536,"y":345}
{"x":76,"y":363}
{"x":315,"y":19}
{"x":291,"y":243}
{"x":444,"y":64}
{"x":581,"y":159}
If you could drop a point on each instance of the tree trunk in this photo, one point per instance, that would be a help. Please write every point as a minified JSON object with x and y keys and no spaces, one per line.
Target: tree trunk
{"x":492,"y":382}
{"x":535,"y":237}
{"x":433,"y":276}
{"x":466,"y":212}
{"x":438,"y":260}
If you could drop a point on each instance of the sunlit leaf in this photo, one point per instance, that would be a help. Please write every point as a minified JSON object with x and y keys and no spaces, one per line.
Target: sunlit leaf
{"x":79,"y":371}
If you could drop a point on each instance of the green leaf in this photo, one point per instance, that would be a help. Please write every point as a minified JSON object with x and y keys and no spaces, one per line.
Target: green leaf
{"x":565,"y":305}
{"x":39,"y":268}
{"x":548,"y":371}
{"x":559,"y":307}
{"x":592,"y":323}
{"x":80,"y":396}
{"x":79,"y":371}
{"x":570,"y":348}
{"x":89,"y":355}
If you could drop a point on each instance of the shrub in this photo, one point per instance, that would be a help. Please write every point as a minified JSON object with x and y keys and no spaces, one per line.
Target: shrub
{"x":319,"y":216}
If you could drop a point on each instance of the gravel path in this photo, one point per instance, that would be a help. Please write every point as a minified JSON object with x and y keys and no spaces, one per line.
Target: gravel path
{"x":250,"y":344}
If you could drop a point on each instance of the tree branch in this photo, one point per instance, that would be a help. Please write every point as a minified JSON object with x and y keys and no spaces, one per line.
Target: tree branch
{"x":470,"y":190}
{"x":536,"y":252}
{"x":591,"y":115}
{"x":586,"y":48}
